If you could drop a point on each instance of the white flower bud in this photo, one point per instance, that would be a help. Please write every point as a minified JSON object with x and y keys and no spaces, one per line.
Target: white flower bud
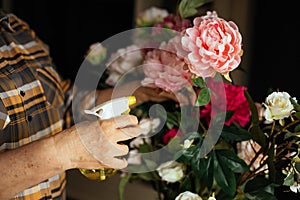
{"x":187,"y":195}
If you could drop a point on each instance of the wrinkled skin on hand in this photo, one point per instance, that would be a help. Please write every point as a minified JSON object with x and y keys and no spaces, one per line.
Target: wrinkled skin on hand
{"x":100,"y":141}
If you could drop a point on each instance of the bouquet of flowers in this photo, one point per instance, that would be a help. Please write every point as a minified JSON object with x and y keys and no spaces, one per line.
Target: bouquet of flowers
{"x":215,"y":142}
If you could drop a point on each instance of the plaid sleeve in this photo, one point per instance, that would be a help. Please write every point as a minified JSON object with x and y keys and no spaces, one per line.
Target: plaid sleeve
{"x":68,"y":115}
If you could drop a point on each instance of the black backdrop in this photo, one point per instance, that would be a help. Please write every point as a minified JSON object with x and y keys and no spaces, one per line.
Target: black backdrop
{"x":276,"y":48}
{"x":69,"y":27}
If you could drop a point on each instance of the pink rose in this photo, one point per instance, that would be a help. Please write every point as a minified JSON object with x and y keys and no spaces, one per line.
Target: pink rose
{"x":164,"y":69}
{"x":214,"y":45}
{"x":235,"y":101}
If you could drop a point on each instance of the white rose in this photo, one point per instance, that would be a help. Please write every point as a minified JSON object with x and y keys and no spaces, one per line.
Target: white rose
{"x":151,"y":15}
{"x":187,"y":195}
{"x":171,"y":171}
{"x":278,"y":106}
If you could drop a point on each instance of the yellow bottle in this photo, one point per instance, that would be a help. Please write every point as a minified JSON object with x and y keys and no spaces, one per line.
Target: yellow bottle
{"x":109,"y":109}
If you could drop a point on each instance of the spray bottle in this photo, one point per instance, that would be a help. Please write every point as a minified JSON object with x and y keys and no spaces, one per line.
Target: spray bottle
{"x":108,"y":109}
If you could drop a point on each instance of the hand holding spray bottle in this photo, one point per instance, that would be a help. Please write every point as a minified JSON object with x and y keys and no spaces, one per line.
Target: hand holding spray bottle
{"x":107,"y":110}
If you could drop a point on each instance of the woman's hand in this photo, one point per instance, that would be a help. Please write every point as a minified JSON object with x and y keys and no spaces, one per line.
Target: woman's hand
{"x":95,"y":144}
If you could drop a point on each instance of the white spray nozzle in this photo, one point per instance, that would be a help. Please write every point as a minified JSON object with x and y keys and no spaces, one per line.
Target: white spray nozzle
{"x":113,"y":108}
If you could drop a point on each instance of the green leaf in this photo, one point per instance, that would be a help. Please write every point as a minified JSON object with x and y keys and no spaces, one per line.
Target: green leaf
{"x":184,"y":9}
{"x":225,"y":178}
{"x":270,"y":162}
{"x":203,"y":97}
{"x":207,"y":165}
{"x":187,"y":8}
{"x":297,"y":166}
{"x":173,"y":118}
{"x":297,"y":128}
{"x":297,"y":114}
{"x":186,"y":184}
{"x":199,"y":81}
{"x":198,"y":3}
{"x":124,"y":180}
{"x":289,"y":180}
{"x":256,"y":184}
{"x":232,"y":161}
{"x":295,"y":104}
{"x":203,"y":167}
{"x":229,"y":114}
{"x":260,"y":195}
{"x":233,"y":133}
{"x":289,"y":134}
{"x":257,"y":133}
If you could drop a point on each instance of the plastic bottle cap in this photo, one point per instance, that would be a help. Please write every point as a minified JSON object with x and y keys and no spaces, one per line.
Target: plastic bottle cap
{"x":131,"y":100}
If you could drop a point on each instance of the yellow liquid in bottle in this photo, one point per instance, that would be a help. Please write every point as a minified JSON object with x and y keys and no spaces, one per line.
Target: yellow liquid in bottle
{"x":98,"y":174}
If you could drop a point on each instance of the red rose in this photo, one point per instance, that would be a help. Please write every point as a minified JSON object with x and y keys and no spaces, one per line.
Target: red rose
{"x":235,"y":101}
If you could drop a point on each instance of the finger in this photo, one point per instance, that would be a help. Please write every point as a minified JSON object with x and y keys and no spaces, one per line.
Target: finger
{"x":117,"y":163}
{"x":122,"y":150}
{"x":115,"y":150}
{"x":125,"y":120}
{"x":126,"y":133}
{"x":119,"y":151}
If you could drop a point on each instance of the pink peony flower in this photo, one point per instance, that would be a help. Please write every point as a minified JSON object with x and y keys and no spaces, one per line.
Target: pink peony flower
{"x":214,"y":45}
{"x":164,"y":69}
{"x":235,"y":101}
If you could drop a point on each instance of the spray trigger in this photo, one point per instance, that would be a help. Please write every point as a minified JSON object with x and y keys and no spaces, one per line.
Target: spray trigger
{"x":113,"y":108}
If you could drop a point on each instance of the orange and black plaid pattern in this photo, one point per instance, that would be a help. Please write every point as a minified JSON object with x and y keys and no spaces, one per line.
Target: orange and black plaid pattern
{"x":32,"y":97}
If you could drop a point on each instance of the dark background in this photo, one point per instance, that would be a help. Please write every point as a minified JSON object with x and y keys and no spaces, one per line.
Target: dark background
{"x":275,"y":55}
{"x":70,"y":27}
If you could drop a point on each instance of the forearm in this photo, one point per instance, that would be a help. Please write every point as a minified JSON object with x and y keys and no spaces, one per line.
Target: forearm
{"x":29,"y":165}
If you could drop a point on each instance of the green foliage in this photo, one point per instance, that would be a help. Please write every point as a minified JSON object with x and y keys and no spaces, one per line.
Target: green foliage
{"x":256,"y":131}
{"x":203,"y":97}
{"x":259,"y":188}
{"x":188,"y":8}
